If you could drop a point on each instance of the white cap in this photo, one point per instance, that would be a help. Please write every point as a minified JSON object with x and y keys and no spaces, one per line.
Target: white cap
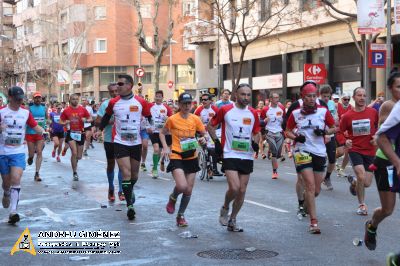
{"x":345,"y":95}
{"x":335,"y":96}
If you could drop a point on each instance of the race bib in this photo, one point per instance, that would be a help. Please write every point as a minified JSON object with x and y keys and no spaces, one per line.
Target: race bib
{"x":85,"y":125}
{"x":129,"y":134}
{"x":361,"y":127}
{"x":77,"y":136}
{"x":302,"y":158}
{"x":158,"y":124}
{"x":189,"y":144}
{"x":240,"y":144}
{"x":13,"y":139}
{"x":56,"y":118}
{"x":41,"y":121}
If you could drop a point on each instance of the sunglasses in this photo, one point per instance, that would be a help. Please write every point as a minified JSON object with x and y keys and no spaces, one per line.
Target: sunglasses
{"x":203,"y":100}
{"x":121,"y":84}
{"x":346,"y":99}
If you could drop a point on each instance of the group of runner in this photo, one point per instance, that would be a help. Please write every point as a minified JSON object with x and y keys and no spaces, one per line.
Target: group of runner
{"x":318,"y":129}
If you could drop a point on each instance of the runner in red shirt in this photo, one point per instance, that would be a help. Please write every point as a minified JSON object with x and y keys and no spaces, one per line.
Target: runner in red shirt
{"x":74,"y":117}
{"x":360,"y":124}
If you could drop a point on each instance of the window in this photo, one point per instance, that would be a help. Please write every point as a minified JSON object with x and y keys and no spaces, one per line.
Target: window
{"x":7,"y":9}
{"x":110,"y":74}
{"x":87,"y":77}
{"x":28,"y":28}
{"x":317,"y":56}
{"x":101,"y":46}
{"x":164,"y":74}
{"x":264,"y":10}
{"x":147,"y":78}
{"x":149,"y":42}
{"x":20,"y":32}
{"x":64,"y":48}
{"x":40,"y":52}
{"x":100,"y":13}
{"x":189,"y":8}
{"x":63,"y":20}
{"x":211,"y":58}
{"x":145,"y":10}
{"x":296,"y":62}
{"x":184,"y":74}
{"x":311,"y":4}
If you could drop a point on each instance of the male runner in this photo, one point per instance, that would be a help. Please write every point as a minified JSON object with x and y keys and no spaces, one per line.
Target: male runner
{"x":13,"y":121}
{"x":88,"y":127}
{"x":225,"y":98}
{"x":35,"y":141}
{"x":57,"y":132}
{"x":240,"y":137}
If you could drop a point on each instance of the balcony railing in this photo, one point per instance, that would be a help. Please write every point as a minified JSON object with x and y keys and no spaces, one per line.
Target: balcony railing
{"x":197,"y":32}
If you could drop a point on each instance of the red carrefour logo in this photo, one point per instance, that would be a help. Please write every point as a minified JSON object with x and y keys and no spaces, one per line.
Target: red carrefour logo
{"x":170,"y":84}
{"x":315,"y":72}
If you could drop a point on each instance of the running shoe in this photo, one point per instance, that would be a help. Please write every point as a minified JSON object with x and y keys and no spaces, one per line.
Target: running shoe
{"x":143,"y":167}
{"x":6,"y":201}
{"x":275,"y":175}
{"x":216,"y":173}
{"x":111,"y":196}
{"x":154,"y":173}
{"x":362,"y":210}
{"x":121,"y":196}
{"x":131,"y":213}
{"x":314,"y":229}
{"x":13,"y":218}
{"x":171,"y":205}
{"x":30,"y":160}
{"x":232,"y":227}
{"x":341,"y":172}
{"x":328,"y":184}
{"x":352,"y":188}
{"x":162,"y":166}
{"x":91,"y":145}
{"x":75,"y":177}
{"x":337,"y":167}
{"x":302,"y":211}
{"x":58,"y":159}
{"x":224,"y":216}
{"x":263,"y":156}
{"x":63,"y":152}
{"x":53,"y":153}
{"x":180,"y":221}
{"x":37,"y":178}
{"x":393,"y":259}
{"x":370,"y":236}
{"x":85,"y":153}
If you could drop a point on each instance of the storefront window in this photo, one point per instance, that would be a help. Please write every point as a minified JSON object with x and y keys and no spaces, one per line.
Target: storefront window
{"x":317,"y":56}
{"x":184,"y":74}
{"x":87,"y":77}
{"x":110,"y":74}
{"x":296,"y":62}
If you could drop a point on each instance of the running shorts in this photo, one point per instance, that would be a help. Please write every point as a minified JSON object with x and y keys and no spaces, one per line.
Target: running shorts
{"x":381,"y":174}
{"x":242,"y":166}
{"x":307,"y":160}
{"x":331,"y":150}
{"x":275,"y":143}
{"x":109,"y":148}
{"x":361,"y":159}
{"x":133,"y":152}
{"x":79,"y":142}
{"x":144,"y":134}
{"x":155,"y":138}
{"x":11,"y":160}
{"x":33,"y":137}
{"x":188,"y":166}
{"x":59,"y":135}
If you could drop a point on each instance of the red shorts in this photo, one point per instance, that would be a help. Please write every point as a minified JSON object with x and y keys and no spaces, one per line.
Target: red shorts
{"x":33,"y":137}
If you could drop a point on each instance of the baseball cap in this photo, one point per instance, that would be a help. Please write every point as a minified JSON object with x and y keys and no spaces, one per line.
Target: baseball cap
{"x":345,"y":95}
{"x":16,"y":92}
{"x":185,"y":98}
{"x":37,"y":94}
{"x":335,"y":96}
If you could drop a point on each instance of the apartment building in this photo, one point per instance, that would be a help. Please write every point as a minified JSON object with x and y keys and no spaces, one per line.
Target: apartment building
{"x":92,"y":41}
{"x":275,"y":63}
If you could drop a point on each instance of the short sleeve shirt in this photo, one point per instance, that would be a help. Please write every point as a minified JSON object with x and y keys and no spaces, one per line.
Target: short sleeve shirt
{"x":75,"y":115}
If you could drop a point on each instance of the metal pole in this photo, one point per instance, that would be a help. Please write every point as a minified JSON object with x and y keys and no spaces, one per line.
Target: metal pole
{"x":366,"y":83}
{"x":170,"y":60}
{"x":389,"y":46}
{"x":140,"y":59}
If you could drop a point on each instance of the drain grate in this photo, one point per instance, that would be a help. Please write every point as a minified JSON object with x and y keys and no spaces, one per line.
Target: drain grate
{"x":237,"y":254}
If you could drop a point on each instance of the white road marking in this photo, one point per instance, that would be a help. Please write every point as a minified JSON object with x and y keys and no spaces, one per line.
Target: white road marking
{"x":291,"y":174}
{"x":100,"y":161}
{"x":266,"y":206}
{"x":52,"y":215}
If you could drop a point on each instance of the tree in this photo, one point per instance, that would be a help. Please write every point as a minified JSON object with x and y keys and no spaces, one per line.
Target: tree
{"x":243,"y":22}
{"x":161,"y":40}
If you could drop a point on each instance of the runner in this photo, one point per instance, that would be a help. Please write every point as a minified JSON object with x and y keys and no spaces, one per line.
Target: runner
{"x":225,"y":98}
{"x":109,"y":146}
{"x":360,"y":125}
{"x":35,"y":141}
{"x":307,"y":126}
{"x":13,"y":120}
{"x":128,"y":110}
{"x":386,"y":194}
{"x":159,"y":113}
{"x":206,"y":112}
{"x":341,"y":149}
{"x":259,"y":109}
{"x":183,"y":164}
{"x":57,"y":132}
{"x":143,"y":133}
{"x":240,"y":137}
{"x":330,"y":142}
{"x":273,"y":117}
{"x":74,"y":117}
{"x":88,"y":127}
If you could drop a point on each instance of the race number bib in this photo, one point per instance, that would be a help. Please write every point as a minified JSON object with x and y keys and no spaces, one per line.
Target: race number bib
{"x":302,"y":158}
{"x":158,"y":124}
{"x":240,"y":144}
{"x":77,"y":136}
{"x":129,"y":134}
{"x":41,"y":121}
{"x":85,"y":125}
{"x":189,"y":144}
{"x":361,"y":127}
{"x":13,"y":139}
{"x":56,"y":119}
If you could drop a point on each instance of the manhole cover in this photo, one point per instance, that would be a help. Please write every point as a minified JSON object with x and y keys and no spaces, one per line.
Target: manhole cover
{"x":237,"y":254}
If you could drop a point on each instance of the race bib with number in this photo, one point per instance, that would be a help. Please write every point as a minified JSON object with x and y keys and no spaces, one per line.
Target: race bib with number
{"x":361,"y":127}
{"x":302,"y":158}
{"x":41,"y":121}
{"x":77,"y":136}
{"x":158,"y":124}
{"x":56,"y":118}
{"x":85,"y":125}
{"x":13,"y":139}
{"x":129,"y":134}
{"x":240,"y":144}
{"x":189,"y":144}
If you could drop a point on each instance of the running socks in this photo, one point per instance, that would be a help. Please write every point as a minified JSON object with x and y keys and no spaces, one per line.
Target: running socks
{"x":175,"y":193}
{"x":184,"y":203}
{"x":328,"y":176}
{"x":14,"y":191}
{"x":110,"y":176}
{"x":119,"y":181}
{"x":127,"y":187}
{"x":156,"y":158}
{"x":274,"y":170}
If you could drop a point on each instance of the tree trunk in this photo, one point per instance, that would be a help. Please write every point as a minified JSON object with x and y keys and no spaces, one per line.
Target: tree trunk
{"x":156,"y":72}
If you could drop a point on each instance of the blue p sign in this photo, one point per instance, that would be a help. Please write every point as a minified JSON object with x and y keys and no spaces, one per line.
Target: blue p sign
{"x":378,"y":58}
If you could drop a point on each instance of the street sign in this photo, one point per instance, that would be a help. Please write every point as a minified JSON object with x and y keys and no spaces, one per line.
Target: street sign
{"x":170,"y":84}
{"x":315,"y":72}
{"x":377,"y":55}
{"x":139,"y":72}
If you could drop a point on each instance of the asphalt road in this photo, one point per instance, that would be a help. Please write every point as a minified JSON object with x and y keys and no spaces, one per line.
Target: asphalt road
{"x":268,"y":217}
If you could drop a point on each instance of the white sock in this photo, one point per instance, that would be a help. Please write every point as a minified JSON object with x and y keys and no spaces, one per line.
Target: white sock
{"x":14,"y":198}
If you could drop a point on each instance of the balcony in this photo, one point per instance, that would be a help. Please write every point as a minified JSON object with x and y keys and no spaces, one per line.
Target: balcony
{"x":200,"y":32}
{"x":7,"y":20}
{"x":11,"y":2}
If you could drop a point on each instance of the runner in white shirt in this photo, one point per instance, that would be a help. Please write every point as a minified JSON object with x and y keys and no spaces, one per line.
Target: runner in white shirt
{"x":159,"y":113}
{"x":273,"y":117}
{"x":13,"y":121}
{"x":307,"y":126}
{"x":239,"y":139}
{"x":127,"y":110}
{"x":88,"y":126}
{"x":206,"y":112}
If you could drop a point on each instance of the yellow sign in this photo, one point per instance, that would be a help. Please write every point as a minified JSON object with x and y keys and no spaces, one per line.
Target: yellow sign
{"x":24,"y":243}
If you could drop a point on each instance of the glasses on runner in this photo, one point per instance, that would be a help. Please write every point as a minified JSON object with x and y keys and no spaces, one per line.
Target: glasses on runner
{"x":120,"y":83}
{"x":346,"y":99}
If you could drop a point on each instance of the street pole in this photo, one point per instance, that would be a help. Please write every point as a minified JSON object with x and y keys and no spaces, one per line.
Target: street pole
{"x":140,"y":59}
{"x":366,"y":83}
{"x":170,"y":61}
{"x":389,"y":46}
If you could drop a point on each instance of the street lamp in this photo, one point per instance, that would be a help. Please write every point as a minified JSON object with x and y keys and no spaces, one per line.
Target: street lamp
{"x":171,"y":41}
